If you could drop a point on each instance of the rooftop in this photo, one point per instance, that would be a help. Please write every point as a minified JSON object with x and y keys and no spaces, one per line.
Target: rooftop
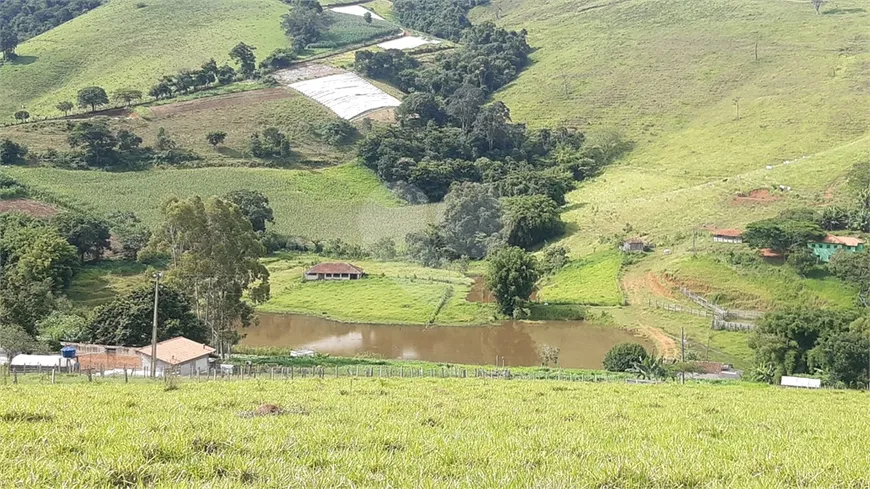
{"x":178,"y":350}
{"x":731,"y":233}
{"x":843,"y":240}
{"x":334,"y":268}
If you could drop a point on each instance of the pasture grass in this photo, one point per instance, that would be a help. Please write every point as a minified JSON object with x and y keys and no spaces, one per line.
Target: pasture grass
{"x":344,"y":202}
{"x":239,"y":115}
{"x":347,"y":29}
{"x":591,"y":281}
{"x":667,"y":75}
{"x":431,"y":432}
{"x":100,"y":283}
{"x":393,"y":292}
{"x":118,"y":45}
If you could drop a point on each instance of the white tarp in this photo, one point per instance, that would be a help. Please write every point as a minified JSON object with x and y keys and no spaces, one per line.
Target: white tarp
{"x":346,"y":94}
{"x":801,"y":382}
{"x":356,"y":10}
{"x":40,"y":361}
{"x":407,"y":42}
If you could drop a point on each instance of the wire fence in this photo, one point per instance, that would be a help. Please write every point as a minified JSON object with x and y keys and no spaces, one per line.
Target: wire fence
{"x":717,"y":322}
{"x":16,"y":375}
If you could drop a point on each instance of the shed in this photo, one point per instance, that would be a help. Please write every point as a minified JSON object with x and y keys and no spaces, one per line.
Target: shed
{"x":727,"y":235}
{"x":826,"y":248}
{"x":633,"y":245}
{"x":334,"y":271}
{"x":179,"y":354}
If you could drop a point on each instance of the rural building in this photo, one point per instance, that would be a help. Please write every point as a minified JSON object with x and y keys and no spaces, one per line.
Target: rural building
{"x":34,"y":363}
{"x":727,"y":235}
{"x":633,"y":245}
{"x":334,"y":271}
{"x":825,"y":249}
{"x":179,"y":354}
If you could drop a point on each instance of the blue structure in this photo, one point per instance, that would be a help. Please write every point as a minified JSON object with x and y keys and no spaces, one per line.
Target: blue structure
{"x":68,"y":352}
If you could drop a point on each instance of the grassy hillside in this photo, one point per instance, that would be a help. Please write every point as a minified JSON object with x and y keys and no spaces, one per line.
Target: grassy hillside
{"x":430,"y":432}
{"x":237,"y":114}
{"x":670,"y":76}
{"x":119,"y":45}
{"x":344,"y":202}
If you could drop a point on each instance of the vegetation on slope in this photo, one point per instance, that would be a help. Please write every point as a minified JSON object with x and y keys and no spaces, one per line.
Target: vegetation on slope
{"x":407,"y":433}
{"x":29,"y":18}
{"x":121,"y":46}
{"x":344,"y":202}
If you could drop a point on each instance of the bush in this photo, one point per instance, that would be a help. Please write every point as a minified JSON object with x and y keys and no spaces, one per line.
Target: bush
{"x":624,"y":356}
{"x":336,"y":132}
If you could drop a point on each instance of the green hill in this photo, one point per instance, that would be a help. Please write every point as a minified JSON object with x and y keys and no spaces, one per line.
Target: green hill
{"x":431,"y":433}
{"x":670,"y":76}
{"x":120,"y":45}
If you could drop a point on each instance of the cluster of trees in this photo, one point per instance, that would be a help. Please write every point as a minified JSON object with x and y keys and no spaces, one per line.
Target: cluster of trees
{"x":22,"y":19}
{"x":489,"y":58}
{"x":443,"y":18}
{"x":832,"y":344}
{"x":788,"y":234}
{"x":191,"y":80}
{"x":270,"y":143}
{"x":211,"y":249}
{"x":306,"y":23}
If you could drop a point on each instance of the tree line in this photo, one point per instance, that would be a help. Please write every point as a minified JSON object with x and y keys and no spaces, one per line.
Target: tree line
{"x":209,"y":249}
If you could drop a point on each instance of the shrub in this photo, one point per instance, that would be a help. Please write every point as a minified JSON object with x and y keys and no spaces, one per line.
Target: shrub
{"x":624,"y":356}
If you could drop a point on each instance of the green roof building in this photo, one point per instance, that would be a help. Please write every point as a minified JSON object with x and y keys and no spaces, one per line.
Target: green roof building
{"x":825,"y":249}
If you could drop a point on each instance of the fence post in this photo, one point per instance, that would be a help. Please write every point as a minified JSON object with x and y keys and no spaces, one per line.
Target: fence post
{"x":90,"y":379}
{"x":14,"y":376}
{"x":125,"y":375}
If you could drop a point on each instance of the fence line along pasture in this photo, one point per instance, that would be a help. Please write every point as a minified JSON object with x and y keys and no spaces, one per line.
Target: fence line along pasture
{"x":718,"y":310}
{"x":14,"y":376}
{"x":718,"y":322}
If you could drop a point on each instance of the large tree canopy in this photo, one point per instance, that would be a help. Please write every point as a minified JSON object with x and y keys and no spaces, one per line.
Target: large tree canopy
{"x":215,"y":255}
{"x":511,"y":275}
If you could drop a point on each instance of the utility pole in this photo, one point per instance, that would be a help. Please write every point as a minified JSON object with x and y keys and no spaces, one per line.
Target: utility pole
{"x":694,"y":234}
{"x":157,"y":276}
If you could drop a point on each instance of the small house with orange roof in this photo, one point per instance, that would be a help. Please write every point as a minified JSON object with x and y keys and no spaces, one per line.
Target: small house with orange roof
{"x":727,"y":235}
{"x":826,"y":248}
{"x":178,"y":354}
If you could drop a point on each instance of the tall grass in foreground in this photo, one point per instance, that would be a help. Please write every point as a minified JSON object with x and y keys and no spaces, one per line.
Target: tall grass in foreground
{"x":431,"y":433}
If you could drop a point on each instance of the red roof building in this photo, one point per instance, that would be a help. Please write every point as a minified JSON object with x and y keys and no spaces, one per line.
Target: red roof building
{"x":727,"y":235}
{"x":334,"y":271}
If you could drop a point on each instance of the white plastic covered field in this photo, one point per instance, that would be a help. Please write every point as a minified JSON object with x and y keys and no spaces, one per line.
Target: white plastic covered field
{"x":356,"y":10}
{"x":407,"y":42}
{"x":346,"y":94}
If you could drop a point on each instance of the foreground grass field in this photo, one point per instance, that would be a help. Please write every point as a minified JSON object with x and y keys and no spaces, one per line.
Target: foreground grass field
{"x":344,"y":202}
{"x":120,"y":45}
{"x":432,"y":433}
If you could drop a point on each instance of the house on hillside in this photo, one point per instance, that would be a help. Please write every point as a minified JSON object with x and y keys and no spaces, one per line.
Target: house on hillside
{"x":733,"y":236}
{"x":826,"y":248}
{"x":334,"y":271}
{"x":180,"y":354}
{"x":633,"y":245}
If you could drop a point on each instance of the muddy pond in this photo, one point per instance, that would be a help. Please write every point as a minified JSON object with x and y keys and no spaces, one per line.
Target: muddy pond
{"x":582,"y":345}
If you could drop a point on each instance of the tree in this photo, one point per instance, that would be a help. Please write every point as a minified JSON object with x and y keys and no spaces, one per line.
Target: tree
{"x":128,"y":141}
{"x":336,"y":131}
{"x":492,"y":123}
{"x":22,"y":116}
{"x":66,"y":106}
{"x":624,"y":356}
{"x":305,"y":23}
{"x":215,"y":138}
{"x":419,"y":109}
{"x":555,"y":258}
{"x":128,"y":320}
{"x":127,"y":96}
{"x":88,"y":234}
{"x":531,"y":219}
{"x":12,"y":153}
{"x":367,"y":17}
{"x":803,"y":261}
{"x":98,"y":142}
{"x":164,"y":141}
{"x":14,"y":340}
{"x":427,"y":246}
{"x":464,"y":105}
{"x":131,"y":234}
{"x":243,"y":54}
{"x":92,"y":97}
{"x":843,"y":355}
{"x":214,"y":254}
{"x":8,"y":43}
{"x":781,"y":235}
{"x":817,"y":4}
{"x":511,"y":275}
{"x":254,"y":206}
{"x":852,"y":267}
{"x":279,"y":59}
{"x":472,"y":220}
{"x":383,"y":249}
